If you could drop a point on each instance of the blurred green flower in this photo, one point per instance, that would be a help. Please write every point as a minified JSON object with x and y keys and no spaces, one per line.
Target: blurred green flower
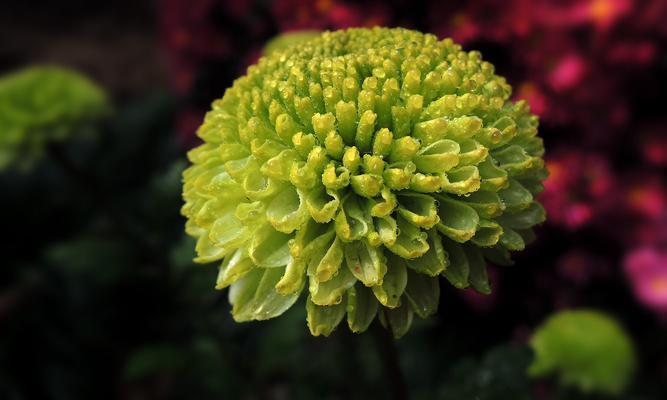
{"x":587,"y":349}
{"x":40,"y":105}
{"x":362,"y":165}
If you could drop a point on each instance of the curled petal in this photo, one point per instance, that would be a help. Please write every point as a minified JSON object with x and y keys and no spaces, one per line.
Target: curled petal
{"x":254,"y":296}
{"x":322,"y":320}
{"x":394,"y":282}
{"x":367,"y":263}
{"x":457,"y":220}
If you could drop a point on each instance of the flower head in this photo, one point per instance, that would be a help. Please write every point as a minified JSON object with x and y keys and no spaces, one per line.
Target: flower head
{"x":362,"y":165}
{"x":44,"y":104}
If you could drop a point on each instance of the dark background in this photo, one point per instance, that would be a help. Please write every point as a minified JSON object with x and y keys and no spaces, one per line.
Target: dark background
{"x":98,"y":294}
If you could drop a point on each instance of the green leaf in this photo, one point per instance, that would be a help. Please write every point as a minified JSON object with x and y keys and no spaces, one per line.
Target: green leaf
{"x":585,"y":348}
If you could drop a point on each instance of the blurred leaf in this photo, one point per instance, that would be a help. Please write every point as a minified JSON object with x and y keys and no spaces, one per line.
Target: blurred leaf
{"x":585,"y":348}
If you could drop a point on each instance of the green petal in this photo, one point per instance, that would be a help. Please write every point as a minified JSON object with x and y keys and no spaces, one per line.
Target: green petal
{"x":478,"y":278}
{"x":233,"y":268}
{"x":207,"y":252}
{"x":258,"y":187}
{"x":352,"y":222}
{"x":254,"y":296}
{"x":311,"y":239}
{"x":487,"y":204}
{"x":438,"y":157}
{"x":488,"y":233}
{"x":327,"y":266}
{"x":411,"y":241}
{"x":393,"y":284}
{"x":269,"y":248}
{"x":404,"y":149}
{"x":421,"y":210}
{"x":516,"y":161}
{"x":424,"y":183}
{"x":322,"y":204}
{"x":279,"y":166}
{"x":458,"y":270}
{"x":461,"y":180}
{"x":228,"y":231}
{"x":387,"y":229}
{"x":423,"y":293}
{"x":457,"y":220}
{"x":397,"y":320}
{"x":293,"y":279}
{"x":383,"y":206}
{"x":512,"y":240}
{"x":398,"y":176}
{"x":493,"y":177}
{"x":362,"y":307}
{"x":335,"y":177}
{"x":498,"y":255}
{"x":322,"y":320}
{"x":331,"y":292}
{"x":524,"y":219}
{"x":434,"y":261}
{"x":366,"y":185}
{"x":472,"y":152}
{"x":287,"y":211}
{"x":515,"y":196}
{"x":367,"y":263}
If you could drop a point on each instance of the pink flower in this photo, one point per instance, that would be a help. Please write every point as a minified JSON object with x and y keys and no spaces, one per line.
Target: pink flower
{"x":568,"y":72}
{"x":647,"y":269}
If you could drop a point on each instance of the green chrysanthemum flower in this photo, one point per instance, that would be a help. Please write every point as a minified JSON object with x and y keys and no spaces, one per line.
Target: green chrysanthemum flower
{"x":40,"y":105}
{"x":586,"y":349}
{"x":362,"y":165}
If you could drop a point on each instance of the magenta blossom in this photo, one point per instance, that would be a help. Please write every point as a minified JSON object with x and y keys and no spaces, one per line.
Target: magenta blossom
{"x":647,"y":269}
